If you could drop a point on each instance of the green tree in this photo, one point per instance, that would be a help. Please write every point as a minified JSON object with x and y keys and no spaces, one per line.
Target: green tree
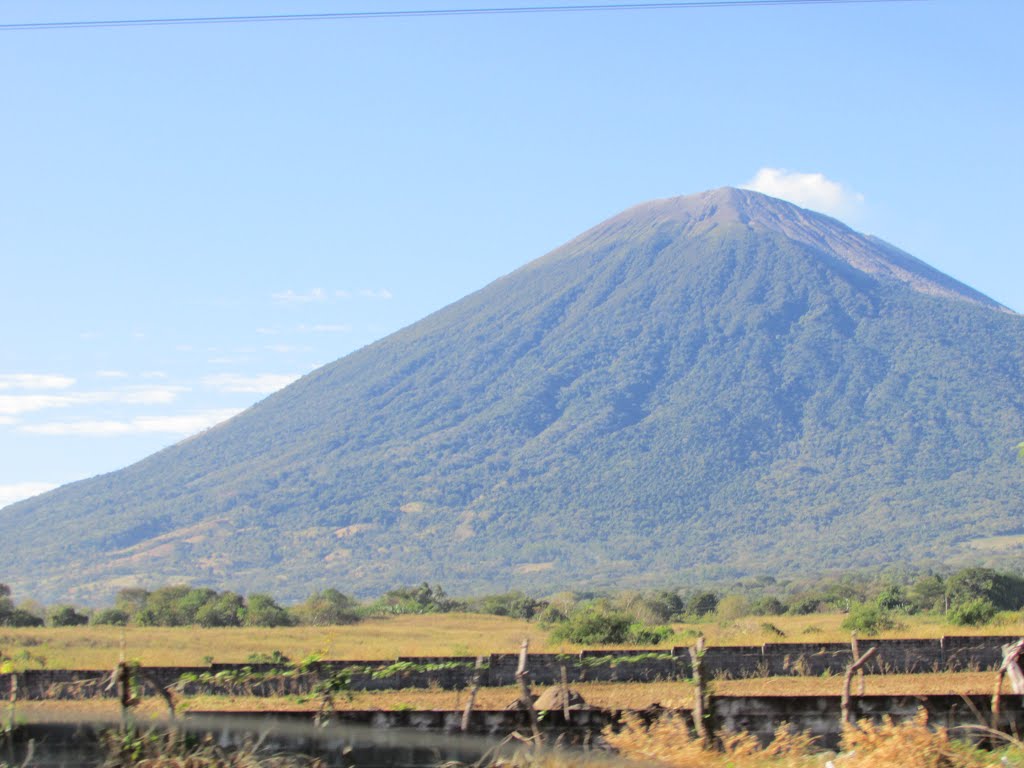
{"x":111,"y":616}
{"x":1005,"y":591}
{"x":327,"y":608}
{"x":67,"y":616}
{"x":702,"y":603}
{"x":262,"y":611}
{"x":224,"y":610}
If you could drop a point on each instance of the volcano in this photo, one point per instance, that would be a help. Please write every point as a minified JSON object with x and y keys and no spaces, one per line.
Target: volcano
{"x":708,"y":386}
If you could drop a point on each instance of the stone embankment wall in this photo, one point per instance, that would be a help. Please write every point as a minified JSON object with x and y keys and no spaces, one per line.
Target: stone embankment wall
{"x":723,"y":662}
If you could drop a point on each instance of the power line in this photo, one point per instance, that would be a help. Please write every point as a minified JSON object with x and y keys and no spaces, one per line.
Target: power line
{"x":353,"y":15}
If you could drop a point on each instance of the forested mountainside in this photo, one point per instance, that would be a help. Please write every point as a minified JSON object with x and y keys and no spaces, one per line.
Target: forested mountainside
{"x":716,"y":384}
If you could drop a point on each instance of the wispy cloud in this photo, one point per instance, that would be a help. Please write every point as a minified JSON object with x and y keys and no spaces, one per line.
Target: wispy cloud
{"x":382,"y":293}
{"x":181,"y":424}
{"x":12,"y":492}
{"x":343,"y":294}
{"x":291,"y":297}
{"x":267,"y":331}
{"x":154,"y":375}
{"x":810,"y":190}
{"x":15,"y":405}
{"x":35,"y":381}
{"x":326,"y":328}
{"x":261,"y":384}
{"x":147,"y":395}
{"x":112,"y":374}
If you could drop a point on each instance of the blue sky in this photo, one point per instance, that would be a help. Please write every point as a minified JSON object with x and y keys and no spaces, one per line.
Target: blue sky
{"x":192,"y":216}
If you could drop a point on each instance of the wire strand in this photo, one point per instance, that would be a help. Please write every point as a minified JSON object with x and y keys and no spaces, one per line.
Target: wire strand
{"x":437,"y":12}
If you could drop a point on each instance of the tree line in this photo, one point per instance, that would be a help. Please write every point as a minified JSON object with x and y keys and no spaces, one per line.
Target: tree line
{"x":970,"y":596}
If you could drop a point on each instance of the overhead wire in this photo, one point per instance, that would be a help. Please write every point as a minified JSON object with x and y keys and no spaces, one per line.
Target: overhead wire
{"x":425,"y":13}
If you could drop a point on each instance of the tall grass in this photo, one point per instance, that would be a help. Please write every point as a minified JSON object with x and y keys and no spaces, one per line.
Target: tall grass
{"x":910,"y":744}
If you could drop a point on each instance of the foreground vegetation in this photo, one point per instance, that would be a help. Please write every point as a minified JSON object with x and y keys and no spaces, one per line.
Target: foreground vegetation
{"x":668,"y":741}
{"x":912,"y":744}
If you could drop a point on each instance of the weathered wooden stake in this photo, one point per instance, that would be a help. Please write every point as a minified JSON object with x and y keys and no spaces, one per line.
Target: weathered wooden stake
{"x":472,"y":693}
{"x":565,"y":694}
{"x":848,"y":716}
{"x":699,"y":713}
{"x":856,"y":655}
{"x":525,"y":699}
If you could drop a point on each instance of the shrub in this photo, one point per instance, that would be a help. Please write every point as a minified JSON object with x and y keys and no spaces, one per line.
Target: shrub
{"x":326,"y":608}
{"x":972,"y":613}
{"x":869,"y":618}
{"x":263,"y":611}
{"x":645,"y":634}
{"x":111,"y":616}
{"x":67,"y":616}
{"x":767,"y":606}
{"x":591,"y":626}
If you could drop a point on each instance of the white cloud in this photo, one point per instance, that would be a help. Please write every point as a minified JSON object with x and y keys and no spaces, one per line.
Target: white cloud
{"x":810,"y":190}
{"x":15,"y":405}
{"x":281,"y":349}
{"x":326,"y":328}
{"x":291,"y":297}
{"x":343,"y":294}
{"x":112,"y":374}
{"x":148,"y":395}
{"x":154,"y":375}
{"x":34,"y":381}
{"x":12,"y":492}
{"x":182,"y":424}
{"x":261,"y":384}
{"x":383,"y":293}
{"x":266,"y":331}
{"x":6,"y":420}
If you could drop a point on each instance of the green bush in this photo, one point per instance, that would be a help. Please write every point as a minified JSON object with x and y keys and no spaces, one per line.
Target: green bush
{"x":112,"y":616}
{"x":67,"y":616}
{"x":869,"y":618}
{"x":972,"y":613}
{"x":592,"y":626}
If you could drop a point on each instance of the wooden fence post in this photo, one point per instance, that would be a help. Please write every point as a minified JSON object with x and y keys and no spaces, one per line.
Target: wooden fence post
{"x":848,"y":715}
{"x":700,"y":697}
{"x":525,"y":699}
{"x":472,"y":693}
{"x":856,"y":655}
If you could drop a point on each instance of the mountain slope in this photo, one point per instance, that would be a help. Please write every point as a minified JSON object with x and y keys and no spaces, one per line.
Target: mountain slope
{"x":715,"y":384}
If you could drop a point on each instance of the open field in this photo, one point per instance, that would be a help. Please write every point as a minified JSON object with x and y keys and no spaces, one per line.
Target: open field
{"x":449,"y":634}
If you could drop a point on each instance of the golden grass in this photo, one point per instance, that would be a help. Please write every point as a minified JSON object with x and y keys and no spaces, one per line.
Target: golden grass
{"x":452,"y":634}
{"x":826,"y":628}
{"x":912,"y":744}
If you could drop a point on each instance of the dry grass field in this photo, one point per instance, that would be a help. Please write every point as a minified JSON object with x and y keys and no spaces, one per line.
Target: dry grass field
{"x":450,"y":634}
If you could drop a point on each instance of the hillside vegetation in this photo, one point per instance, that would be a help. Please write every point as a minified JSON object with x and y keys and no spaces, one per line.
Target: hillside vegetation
{"x":716,"y":385}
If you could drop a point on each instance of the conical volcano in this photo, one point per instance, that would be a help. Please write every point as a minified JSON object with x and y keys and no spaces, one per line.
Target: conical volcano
{"x":711,"y":385}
